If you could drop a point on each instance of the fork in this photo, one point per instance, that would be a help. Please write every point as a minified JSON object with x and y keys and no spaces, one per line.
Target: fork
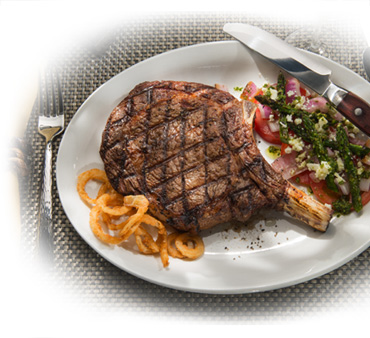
{"x":50,"y":124}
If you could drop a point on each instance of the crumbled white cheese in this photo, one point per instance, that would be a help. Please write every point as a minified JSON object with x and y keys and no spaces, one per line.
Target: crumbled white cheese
{"x":274,"y":94}
{"x":290,"y":93}
{"x":313,"y":166}
{"x":299,"y":102}
{"x":268,"y":90}
{"x":272,"y":117}
{"x":283,"y":124}
{"x":300,"y":157}
{"x":340,"y":164}
{"x":360,"y":169}
{"x":298,"y":121}
{"x":302,"y":165}
{"x":351,"y":135}
{"x":288,"y":150}
{"x":320,"y":124}
{"x":321,"y":170}
{"x":296,"y":143}
{"x":339,"y":179}
{"x":289,"y":118}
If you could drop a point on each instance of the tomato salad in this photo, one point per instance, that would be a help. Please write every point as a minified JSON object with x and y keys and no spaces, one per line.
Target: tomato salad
{"x":317,"y":147}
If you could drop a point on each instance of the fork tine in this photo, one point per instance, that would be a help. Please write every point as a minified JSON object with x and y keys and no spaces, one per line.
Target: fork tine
{"x":60,"y":96}
{"x":54,"y":109}
{"x":46,"y":91}
{"x":49,"y":85}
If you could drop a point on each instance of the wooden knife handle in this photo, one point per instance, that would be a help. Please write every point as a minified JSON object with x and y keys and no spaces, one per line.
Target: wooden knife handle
{"x":356,"y":110}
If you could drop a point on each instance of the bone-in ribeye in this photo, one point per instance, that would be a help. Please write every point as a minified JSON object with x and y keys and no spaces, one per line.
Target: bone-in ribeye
{"x":189,"y":148}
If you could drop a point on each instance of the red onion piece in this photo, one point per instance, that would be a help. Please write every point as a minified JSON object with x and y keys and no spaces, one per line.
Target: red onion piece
{"x":344,"y":187}
{"x":250,"y":91}
{"x":359,"y":138}
{"x":355,"y":140}
{"x":265,"y":111}
{"x":316,"y":103}
{"x":292,"y":90}
{"x":273,"y":126}
{"x":330,"y":152}
{"x":338,"y":116}
{"x":365,"y":184}
{"x":286,"y":165}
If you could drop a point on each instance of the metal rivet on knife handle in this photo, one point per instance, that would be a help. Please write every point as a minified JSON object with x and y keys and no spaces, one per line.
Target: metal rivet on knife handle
{"x":358,"y":111}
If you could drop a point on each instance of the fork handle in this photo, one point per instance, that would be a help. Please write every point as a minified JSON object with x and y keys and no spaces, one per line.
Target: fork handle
{"x":46,"y":233}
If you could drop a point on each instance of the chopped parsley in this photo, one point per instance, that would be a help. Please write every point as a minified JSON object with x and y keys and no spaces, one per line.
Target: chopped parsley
{"x":342,"y":206}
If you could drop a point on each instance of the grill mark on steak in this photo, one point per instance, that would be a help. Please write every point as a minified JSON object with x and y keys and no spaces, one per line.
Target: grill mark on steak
{"x":163,"y":195}
{"x":228,"y":168}
{"x":145,"y":148}
{"x":184,"y":195}
{"x":205,"y":118}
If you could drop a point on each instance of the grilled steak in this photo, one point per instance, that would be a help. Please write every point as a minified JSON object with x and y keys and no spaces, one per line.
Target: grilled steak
{"x":189,"y":148}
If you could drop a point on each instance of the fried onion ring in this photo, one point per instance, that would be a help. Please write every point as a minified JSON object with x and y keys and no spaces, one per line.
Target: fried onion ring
{"x":161,"y":239}
{"x":145,"y":242}
{"x":183,"y":243}
{"x":172,"y":250}
{"x":112,"y":205}
{"x":97,"y":230}
{"x":92,"y":174}
{"x":132,"y":223}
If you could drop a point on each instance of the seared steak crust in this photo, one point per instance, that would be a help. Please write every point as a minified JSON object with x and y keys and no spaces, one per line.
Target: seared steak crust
{"x":188,"y":149}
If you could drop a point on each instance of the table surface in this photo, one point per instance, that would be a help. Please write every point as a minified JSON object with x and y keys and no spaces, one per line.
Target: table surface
{"x":94,"y":282}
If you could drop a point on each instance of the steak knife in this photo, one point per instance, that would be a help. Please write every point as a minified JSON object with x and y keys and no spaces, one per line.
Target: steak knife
{"x":312,"y":74}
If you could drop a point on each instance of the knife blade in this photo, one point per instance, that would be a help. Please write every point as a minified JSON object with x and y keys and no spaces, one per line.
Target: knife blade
{"x":309,"y":72}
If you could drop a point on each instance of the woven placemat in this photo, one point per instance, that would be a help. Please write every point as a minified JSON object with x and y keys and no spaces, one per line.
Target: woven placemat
{"x":94,"y":282}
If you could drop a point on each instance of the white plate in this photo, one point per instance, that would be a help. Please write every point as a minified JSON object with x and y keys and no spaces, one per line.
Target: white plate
{"x":273,"y":251}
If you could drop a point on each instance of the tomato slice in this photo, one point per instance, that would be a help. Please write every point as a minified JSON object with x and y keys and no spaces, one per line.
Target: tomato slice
{"x":365,"y":197}
{"x":262,"y":128}
{"x":323,"y":193}
{"x":303,"y":91}
{"x":302,"y":178}
{"x":283,"y":147}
